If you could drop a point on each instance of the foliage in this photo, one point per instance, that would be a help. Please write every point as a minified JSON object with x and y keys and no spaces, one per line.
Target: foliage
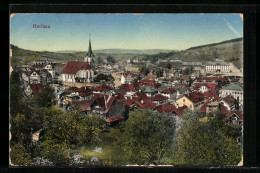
{"x":111,"y":59}
{"x":67,"y":131}
{"x":99,"y":60}
{"x":19,"y":155}
{"x":104,"y":77}
{"x":205,"y":141}
{"x":16,"y":95}
{"x":45,"y":97}
{"x":144,"y":138}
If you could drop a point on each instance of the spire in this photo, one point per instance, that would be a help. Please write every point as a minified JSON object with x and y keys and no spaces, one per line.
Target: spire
{"x":90,"y":53}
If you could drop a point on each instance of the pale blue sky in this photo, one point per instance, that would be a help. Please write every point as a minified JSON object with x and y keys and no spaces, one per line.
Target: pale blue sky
{"x":123,"y":31}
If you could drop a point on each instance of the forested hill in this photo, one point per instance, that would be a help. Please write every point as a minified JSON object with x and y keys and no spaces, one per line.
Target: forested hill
{"x":228,"y":51}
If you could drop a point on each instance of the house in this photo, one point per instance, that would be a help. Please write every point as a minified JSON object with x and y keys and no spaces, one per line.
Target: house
{"x":230,"y":102}
{"x":103,"y":89}
{"x":191,"y":100}
{"x":149,"y":91}
{"x":165,"y":108}
{"x":50,"y":69}
{"x":76,"y":71}
{"x":159,"y":99}
{"x":234,"y":90}
{"x":106,"y":66}
{"x":180,"y":92}
{"x":127,"y":78}
{"x":235,"y":118}
{"x":218,"y":80}
{"x":34,"y":78}
{"x":169,"y":93}
{"x":45,"y":77}
{"x":205,"y":87}
{"x":209,"y":107}
{"x":210,"y":95}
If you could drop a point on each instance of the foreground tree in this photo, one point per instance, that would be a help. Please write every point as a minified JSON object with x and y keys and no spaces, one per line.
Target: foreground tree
{"x":144,"y":138}
{"x":65,"y":132}
{"x":205,"y":142}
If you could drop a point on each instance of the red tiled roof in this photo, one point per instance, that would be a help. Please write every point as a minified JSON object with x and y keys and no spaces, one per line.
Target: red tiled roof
{"x":83,"y":89}
{"x":211,"y":79}
{"x":142,"y":95}
{"x":229,"y":100}
{"x":211,"y":94}
{"x":204,"y":106}
{"x":83,"y":105}
{"x":73,"y":66}
{"x":136,"y":85}
{"x":86,"y":94}
{"x":145,"y":104}
{"x":102,"y":87}
{"x":127,"y":87}
{"x":113,"y":119}
{"x":168,"y":91}
{"x":36,"y":88}
{"x":223,"y":109}
{"x":165,"y":108}
{"x":195,"y":97}
{"x":130,"y":74}
{"x":120,"y":96}
{"x":239,"y":113}
{"x":179,"y":111}
{"x":159,"y":97}
{"x":71,"y":89}
{"x":210,"y":86}
{"x":110,"y":102}
{"x":129,"y":101}
{"x":146,"y":82}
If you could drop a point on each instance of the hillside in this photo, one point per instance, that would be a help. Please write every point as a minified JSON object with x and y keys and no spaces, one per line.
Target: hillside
{"x":228,"y":51}
{"x":22,"y":56}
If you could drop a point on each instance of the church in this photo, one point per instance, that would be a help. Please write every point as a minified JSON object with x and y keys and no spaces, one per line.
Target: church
{"x":80,"y":71}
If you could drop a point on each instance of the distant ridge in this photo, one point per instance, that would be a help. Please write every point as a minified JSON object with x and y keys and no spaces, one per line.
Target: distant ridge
{"x":214,"y":44}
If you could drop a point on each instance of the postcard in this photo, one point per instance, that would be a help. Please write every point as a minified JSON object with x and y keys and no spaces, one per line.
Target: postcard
{"x":126,"y":89}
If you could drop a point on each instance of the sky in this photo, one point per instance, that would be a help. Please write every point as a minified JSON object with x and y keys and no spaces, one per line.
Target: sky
{"x":122,"y":31}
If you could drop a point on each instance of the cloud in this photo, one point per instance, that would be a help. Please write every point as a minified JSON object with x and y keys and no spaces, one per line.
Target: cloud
{"x":232,"y":28}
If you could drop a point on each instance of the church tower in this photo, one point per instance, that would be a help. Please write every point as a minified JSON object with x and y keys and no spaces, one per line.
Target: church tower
{"x":90,"y":56}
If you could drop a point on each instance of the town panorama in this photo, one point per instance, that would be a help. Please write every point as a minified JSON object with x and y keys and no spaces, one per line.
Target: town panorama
{"x":146,"y":109}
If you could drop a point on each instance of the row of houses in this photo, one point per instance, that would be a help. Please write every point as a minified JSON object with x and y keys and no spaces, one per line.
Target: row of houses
{"x":112,"y":102}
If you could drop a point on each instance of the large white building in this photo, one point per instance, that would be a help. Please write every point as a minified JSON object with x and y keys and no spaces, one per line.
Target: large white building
{"x":76,"y":71}
{"x":217,"y":67}
{"x":235,"y":91}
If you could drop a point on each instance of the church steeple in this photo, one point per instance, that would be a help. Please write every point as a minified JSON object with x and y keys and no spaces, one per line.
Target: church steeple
{"x":90,"y":53}
{"x":90,"y":56}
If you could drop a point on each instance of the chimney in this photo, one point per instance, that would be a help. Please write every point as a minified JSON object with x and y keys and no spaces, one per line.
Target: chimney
{"x":177,"y":106}
{"x":142,"y":101}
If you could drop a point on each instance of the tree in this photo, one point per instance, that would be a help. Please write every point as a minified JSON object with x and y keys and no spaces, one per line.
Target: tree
{"x":19,"y":155}
{"x":44,"y":98}
{"x":16,"y":95}
{"x":144,"y":138}
{"x":111,"y":59}
{"x":99,"y":60}
{"x":65,"y":132}
{"x":202,"y":141}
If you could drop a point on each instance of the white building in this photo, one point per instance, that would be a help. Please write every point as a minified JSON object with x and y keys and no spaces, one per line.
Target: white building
{"x":235,"y":91}
{"x":76,"y":71}
{"x":217,"y":67}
